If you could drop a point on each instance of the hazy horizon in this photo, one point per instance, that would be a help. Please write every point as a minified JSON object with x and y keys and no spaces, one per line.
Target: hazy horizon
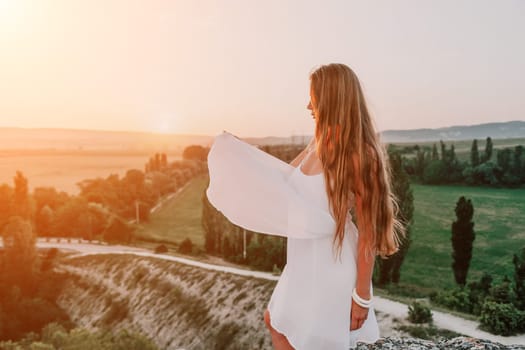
{"x":242,"y":135}
{"x":185,"y":67}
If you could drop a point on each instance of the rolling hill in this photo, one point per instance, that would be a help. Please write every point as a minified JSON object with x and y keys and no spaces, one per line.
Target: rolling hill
{"x":123,"y":141}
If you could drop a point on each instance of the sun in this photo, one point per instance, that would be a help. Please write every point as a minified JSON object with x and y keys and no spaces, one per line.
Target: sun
{"x":162,"y":126}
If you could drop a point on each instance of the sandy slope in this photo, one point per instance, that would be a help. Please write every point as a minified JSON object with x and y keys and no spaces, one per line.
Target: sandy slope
{"x":386,"y":309}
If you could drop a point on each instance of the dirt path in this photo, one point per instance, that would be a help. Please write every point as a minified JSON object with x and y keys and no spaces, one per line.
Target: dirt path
{"x":393,"y":308}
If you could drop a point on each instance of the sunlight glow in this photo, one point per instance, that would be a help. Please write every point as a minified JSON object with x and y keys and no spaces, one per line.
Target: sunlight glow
{"x":10,"y":13}
{"x":16,"y":19}
{"x":162,"y":126}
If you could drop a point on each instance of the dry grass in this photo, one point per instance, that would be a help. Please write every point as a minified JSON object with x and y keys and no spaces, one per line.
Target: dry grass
{"x":177,"y":305}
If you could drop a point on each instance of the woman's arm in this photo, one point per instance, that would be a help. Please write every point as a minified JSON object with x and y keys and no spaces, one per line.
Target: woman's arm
{"x":365,"y":266}
{"x":365,"y":262}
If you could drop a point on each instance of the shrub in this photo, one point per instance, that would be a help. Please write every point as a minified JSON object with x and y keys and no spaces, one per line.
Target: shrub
{"x":479,"y":291}
{"x":503,"y":319}
{"x":501,"y":292}
{"x":186,"y":246}
{"x":429,"y":332}
{"x":226,"y":335}
{"x":161,"y":249}
{"x":117,"y":312}
{"x":419,"y":313}
{"x":456,"y":299}
{"x":55,"y":336}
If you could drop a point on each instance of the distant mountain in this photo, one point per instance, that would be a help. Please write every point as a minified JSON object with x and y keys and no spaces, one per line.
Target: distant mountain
{"x":503,"y":130}
{"x":122,"y":141}
{"x":94,"y":140}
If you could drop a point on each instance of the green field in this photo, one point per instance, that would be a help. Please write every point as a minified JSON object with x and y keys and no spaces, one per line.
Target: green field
{"x":499,"y":223}
{"x":499,"y":217}
{"x":179,"y":217}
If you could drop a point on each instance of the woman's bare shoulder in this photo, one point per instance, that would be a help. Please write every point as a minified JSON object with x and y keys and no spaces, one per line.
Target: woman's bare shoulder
{"x":298,"y":159}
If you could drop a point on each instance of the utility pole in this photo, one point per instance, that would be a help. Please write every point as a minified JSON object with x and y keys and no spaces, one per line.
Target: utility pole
{"x":137,"y":211}
{"x":244,"y":244}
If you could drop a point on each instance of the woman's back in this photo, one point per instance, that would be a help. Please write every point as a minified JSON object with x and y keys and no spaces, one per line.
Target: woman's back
{"x":311,"y":301}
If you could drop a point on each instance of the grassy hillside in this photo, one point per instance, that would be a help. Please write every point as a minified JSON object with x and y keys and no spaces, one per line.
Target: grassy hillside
{"x":498,"y":216}
{"x":176,"y":305}
{"x":179,"y":217}
{"x":499,"y":225}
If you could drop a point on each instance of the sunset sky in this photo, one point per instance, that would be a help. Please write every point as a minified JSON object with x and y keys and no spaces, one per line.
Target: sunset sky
{"x":201,"y":66}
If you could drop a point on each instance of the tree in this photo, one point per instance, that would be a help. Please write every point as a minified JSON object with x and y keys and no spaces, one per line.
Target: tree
{"x":20,"y":254}
{"x":195,"y":152}
{"x":6,"y":196}
{"x":67,"y":221}
{"x":420,"y":163}
{"x":474,"y":154}
{"x":519,"y":164}
{"x":435,"y":155}
{"x":435,"y":172}
{"x":44,"y":221}
{"x":488,"y":150}
{"x":504,"y":159}
{"x":163,"y":160}
{"x":443,"y":150}
{"x":389,"y":268}
{"x":21,"y":197}
{"x":462,"y":238}
{"x":158,"y":164}
{"x":519,"y":279}
{"x":118,"y":231}
{"x":211,"y":221}
{"x":48,"y":196}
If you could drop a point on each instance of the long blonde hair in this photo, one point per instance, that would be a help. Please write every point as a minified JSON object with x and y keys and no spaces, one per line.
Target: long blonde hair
{"x":354,"y":161}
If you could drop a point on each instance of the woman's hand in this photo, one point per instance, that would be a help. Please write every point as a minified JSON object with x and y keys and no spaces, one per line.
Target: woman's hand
{"x":359,"y":316}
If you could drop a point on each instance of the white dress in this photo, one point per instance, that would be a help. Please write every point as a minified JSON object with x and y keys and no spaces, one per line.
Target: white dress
{"x":311,"y":302}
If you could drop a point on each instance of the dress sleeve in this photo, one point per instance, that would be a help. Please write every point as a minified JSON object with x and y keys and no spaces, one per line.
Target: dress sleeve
{"x":251,"y":188}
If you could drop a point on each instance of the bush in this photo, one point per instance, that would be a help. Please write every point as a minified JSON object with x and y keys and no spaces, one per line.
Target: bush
{"x":55,"y":336}
{"x":458,"y":299}
{"x":429,"y":332}
{"x":117,"y":312}
{"x":161,"y":249}
{"x":502,"y":319}
{"x":435,"y":173}
{"x":186,"y":246}
{"x":419,"y":313}
{"x":264,"y":253}
{"x":501,"y":293}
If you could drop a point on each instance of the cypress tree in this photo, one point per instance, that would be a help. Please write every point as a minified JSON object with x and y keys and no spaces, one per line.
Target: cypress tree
{"x":420,"y":163}
{"x":389,"y":268}
{"x":474,"y":154}
{"x":21,"y":197}
{"x":20,"y":254}
{"x":488,"y":150}
{"x":435,"y":155}
{"x":519,"y":279}
{"x":443,"y":150}
{"x":462,"y":237}
{"x":517,"y":168}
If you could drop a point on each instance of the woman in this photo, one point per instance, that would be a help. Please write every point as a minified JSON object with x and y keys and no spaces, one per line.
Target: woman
{"x":323,"y":299}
